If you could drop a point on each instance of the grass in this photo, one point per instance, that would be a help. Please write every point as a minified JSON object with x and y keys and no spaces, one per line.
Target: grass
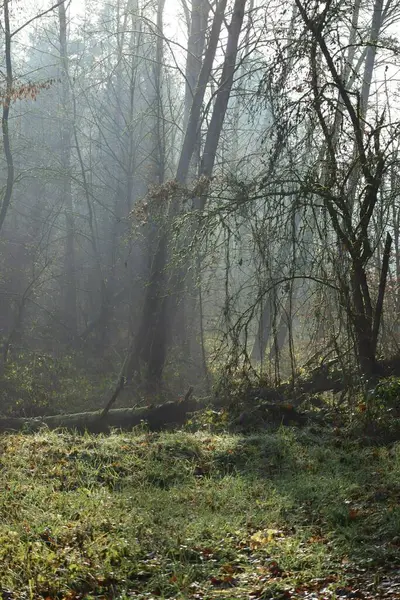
{"x":197,"y":516}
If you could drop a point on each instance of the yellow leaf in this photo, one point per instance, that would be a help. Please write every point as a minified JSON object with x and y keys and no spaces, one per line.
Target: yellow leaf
{"x":262,"y":537}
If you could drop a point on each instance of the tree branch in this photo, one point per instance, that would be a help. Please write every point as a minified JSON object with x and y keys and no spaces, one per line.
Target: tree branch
{"x":42,"y":14}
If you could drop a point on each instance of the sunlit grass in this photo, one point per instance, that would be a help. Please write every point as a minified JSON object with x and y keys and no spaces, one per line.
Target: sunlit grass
{"x":184,"y":515}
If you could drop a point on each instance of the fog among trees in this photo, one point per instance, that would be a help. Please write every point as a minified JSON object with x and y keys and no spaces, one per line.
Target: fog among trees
{"x":195,"y":193}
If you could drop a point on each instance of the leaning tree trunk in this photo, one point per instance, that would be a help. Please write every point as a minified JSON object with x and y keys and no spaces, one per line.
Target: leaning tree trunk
{"x":190,"y":138}
{"x":158,"y":346}
{"x":181,"y":279}
{"x":151,"y":339}
{"x":224,"y":91}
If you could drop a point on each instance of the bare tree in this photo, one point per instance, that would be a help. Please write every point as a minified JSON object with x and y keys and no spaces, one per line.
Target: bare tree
{"x":354,"y":236}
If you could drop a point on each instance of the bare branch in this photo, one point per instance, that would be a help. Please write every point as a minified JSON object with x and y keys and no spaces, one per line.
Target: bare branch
{"x":39,"y":16}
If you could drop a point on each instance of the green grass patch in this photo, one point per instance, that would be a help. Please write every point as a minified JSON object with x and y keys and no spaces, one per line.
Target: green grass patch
{"x":179,"y":515}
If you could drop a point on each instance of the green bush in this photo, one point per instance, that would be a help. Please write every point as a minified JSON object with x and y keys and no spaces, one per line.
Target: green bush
{"x":35,"y":384}
{"x":379,"y":411}
{"x":386,"y":395}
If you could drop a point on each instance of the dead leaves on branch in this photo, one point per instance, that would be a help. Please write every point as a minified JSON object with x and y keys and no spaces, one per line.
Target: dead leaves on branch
{"x":167,"y":199}
{"x":24,"y":91}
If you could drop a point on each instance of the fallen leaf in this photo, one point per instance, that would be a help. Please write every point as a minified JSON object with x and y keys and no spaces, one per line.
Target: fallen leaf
{"x":226,"y":580}
{"x":275,"y":569}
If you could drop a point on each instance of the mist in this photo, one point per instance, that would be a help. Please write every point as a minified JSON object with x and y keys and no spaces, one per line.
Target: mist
{"x":196,"y":197}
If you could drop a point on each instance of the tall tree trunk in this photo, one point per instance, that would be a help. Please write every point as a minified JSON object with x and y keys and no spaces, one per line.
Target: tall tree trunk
{"x":135,"y":41}
{"x":187,"y":327}
{"x":264,"y":330}
{"x":224,"y":90}
{"x":196,"y":40}
{"x":213,"y":132}
{"x":156,"y":290}
{"x":70,"y":288}
{"x":184,"y":278}
{"x":149,"y":350}
{"x":190,"y":139}
{"x":5,"y":117}
{"x":369,"y":65}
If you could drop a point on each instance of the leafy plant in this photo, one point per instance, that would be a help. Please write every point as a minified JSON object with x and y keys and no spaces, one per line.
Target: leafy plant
{"x":34,"y":384}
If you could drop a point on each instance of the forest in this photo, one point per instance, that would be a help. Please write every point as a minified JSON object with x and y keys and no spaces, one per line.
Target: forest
{"x":199,"y":299}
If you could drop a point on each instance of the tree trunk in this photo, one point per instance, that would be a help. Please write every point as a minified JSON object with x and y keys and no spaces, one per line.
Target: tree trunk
{"x":224,"y":90}
{"x":189,"y":142}
{"x":148,"y":351}
{"x":264,"y":330}
{"x":185,"y":304}
{"x":196,"y":40}
{"x":5,"y":117}
{"x":155,"y":418}
{"x":149,"y":343}
{"x":70,"y":288}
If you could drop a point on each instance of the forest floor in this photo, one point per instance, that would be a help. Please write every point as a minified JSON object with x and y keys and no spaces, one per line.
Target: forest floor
{"x":284,"y":515}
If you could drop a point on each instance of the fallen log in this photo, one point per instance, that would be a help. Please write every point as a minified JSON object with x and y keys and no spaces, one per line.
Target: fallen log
{"x":164,"y":416}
